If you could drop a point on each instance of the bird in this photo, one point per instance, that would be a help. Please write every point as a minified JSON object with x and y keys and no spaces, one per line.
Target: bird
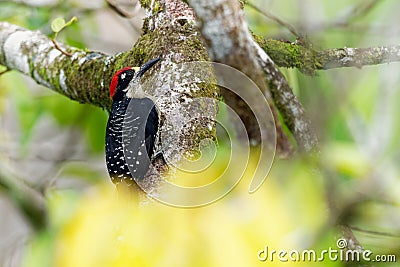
{"x":132,"y":126}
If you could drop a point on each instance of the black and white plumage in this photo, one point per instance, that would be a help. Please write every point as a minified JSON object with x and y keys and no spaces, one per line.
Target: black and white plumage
{"x":132,"y":127}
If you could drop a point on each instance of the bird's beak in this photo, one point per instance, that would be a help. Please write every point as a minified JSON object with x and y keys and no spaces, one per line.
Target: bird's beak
{"x":146,"y":66}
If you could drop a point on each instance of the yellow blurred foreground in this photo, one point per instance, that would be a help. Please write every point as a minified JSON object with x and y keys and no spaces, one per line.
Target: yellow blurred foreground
{"x":103,"y":228}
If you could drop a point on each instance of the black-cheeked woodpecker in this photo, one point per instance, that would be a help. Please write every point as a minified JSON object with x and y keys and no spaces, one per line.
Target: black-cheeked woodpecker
{"x":131,"y":132}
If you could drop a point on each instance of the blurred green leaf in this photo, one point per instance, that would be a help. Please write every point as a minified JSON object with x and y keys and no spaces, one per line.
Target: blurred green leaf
{"x":83,"y":172}
{"x":61,"y":205}
{"x":74,"y":37}
{"x":38,"y":18}
{"x":338,"y":128}
{"x":7,"y":10}
{"x":29,"y":110}
{"x":38,"y":251}
{"x":59,"y":23}
{"x":90,"y":119}
{"x":65,"y":111}
{"x":365,"y":92}
{"x":96,"y":121}
{"x":346,"y":159}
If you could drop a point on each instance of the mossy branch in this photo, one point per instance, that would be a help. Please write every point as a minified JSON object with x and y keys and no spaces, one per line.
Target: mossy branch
{"x":287,"y":103}
{"x":308,"y":59}
{"x":83,"y":77}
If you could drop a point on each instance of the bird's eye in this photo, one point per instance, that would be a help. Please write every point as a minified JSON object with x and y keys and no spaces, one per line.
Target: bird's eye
{"x":123,"y":75}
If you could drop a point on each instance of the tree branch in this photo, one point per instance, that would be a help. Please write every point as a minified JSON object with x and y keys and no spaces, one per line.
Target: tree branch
{"x":84,"y":76}
{"x":119,"y":10}
{"x":358,"y":57}
{"x":33,"y":53}
{"x":308,"y":59}
{"x":228,"y":41}
{"x":292,"y":111}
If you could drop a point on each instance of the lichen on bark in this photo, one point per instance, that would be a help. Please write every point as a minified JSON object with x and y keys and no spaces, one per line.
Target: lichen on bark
{"x":169,"y":32}
{"x":291,"y":55}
